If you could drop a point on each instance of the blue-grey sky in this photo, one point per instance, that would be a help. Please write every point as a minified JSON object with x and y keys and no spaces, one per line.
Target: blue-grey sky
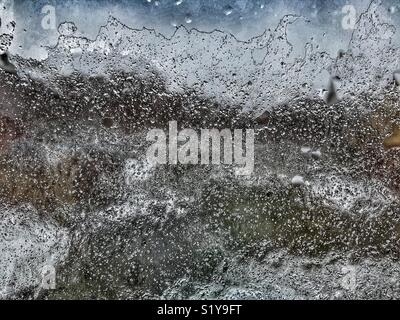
{"x":244,"y":18}
{"x":200,"y":13}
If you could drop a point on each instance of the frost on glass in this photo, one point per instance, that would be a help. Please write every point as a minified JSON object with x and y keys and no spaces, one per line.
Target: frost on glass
{"x":78,"y":194}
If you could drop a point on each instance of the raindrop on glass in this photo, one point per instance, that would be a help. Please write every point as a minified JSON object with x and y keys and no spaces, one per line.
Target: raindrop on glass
{"x":188,"y":18}
{"x":228,"y":10}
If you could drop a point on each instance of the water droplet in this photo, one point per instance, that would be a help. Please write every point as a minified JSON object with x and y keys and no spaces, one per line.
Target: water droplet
{"x":228,"y":10}
{"x":298,"y":181}
{"x":316,"y":154}
{"x":107,"y":122}
{"x":188,"y":19}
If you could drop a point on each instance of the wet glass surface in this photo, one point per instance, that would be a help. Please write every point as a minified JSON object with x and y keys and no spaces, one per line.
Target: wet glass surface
{"x":85,"y":214}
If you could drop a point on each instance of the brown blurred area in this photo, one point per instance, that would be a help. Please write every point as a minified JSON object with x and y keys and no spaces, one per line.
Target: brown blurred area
{"x":10,"y":129}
